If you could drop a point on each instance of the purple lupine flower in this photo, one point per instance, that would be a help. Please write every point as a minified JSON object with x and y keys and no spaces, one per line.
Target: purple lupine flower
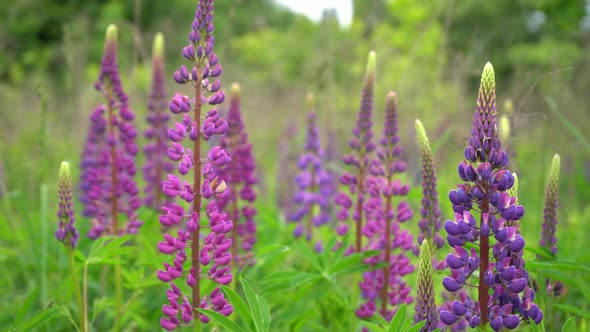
{"x":548,"y":238}
{"x":430,"y":223}
{"x":425,"y":306}
{"x":108,"y":164}
{"x":314,"y":184}
{"x":66,"y":232}
{"x":287,"y":169}
{"x":382,"y":228}
{"x":486,"y":181}
{"x":548,"y":234}
{"x":362,"y":145}
{"x":155,"y":150}
{"x":209,"y":253}
{"x":241,"y":179}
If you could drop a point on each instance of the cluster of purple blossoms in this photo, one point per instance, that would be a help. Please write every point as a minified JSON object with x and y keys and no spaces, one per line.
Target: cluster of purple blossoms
{"x":429,"y":224}
{"x":108,"y":164}
{"x":425,"y":304}
{"x":486,"y":185}
{"x":363,"y":146}
{"x":382,"y":228}
{"x":314,"y":185}
{"x":287,"y":169}
{"x":548,"y":234}
{"x":66,"y":232}
{"x":241,"y":178}
{"x":214,"y":250}
{"x":155,"y":150}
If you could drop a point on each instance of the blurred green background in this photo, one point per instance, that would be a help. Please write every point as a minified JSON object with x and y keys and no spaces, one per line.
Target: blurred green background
{"x":431,"y":52}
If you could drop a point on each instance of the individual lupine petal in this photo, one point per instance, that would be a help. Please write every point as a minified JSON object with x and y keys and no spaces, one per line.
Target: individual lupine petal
{"x":425,"y":306}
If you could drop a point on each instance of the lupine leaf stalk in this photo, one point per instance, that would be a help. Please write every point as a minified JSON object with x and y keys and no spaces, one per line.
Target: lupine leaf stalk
{"x":486,"y":181}
{"x":429,"y":224}
{"x":67,"y":232}
{"x":548,"y":234}
{"x":241,"y":178}
{"x":108,"y":160}
{"x":314,"y":184}
{"x":156,"y":134}
{"x":362,"y":145}
{"x":425,"y":304}
{"x":207,"y":184}
{"x":382,"y":228}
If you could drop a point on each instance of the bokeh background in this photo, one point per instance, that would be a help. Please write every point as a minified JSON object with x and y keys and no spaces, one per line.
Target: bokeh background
{"x":431,"y":52}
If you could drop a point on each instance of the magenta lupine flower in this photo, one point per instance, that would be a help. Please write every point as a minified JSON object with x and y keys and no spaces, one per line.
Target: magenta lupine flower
{"x":314,"y":184}
{"x":108,"y":164}
{"x":241,"y":178}
{"x":66,"y":231}
{"x":430,"y":223}
{"x":155,"y":150}
{"x":210,"y":258}
{"x":486,"y":181}
{"x":362,"y":145}
{"x":382,"y":228}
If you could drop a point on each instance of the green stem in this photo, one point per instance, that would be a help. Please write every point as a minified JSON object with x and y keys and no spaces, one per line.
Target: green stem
{"x":85,"y":290}
{"x":81,"y":306}
{"x":118,"y":297}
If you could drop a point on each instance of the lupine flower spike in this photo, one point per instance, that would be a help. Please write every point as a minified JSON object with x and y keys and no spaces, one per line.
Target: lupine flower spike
{"x":66,"y":232}
{"x":486,"y":181}
{"x":430,"y":223}
{"x":382,"y":228}
{"x":214,"y":250}
{"x":314,"y":184}
{"x":155,"y":150}
{"x":425,"y":306}
{"x":108,"y":165}
{"x":287,"y":169}
{"x":241,"y":178}
{"x":548,"y":235}
{"x":362,"y":145}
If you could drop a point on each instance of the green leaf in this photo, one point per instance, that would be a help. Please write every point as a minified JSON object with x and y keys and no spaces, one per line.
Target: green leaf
{"x":265,"y":310}
{"x":106,"y":250}
{"x":535,"y":327}
{"x":573,"y":309}
{"x":416,"y":327}
{"x":254,"y":305}
{"x":373,"y":327}
{"x":397,"y":322}
{"x":540,"y":251}
{"x":26,"y":307}
{"x":308,"y":255}
{"x":221,"y":320}
{"x":303,"y":278}
{"x":271,"y":250}
{"x":240,"y":306}
{"x":557,"y":265}
{"x":569,"y":326}
{"x":584,"y":288}
{"x":42,"y":317}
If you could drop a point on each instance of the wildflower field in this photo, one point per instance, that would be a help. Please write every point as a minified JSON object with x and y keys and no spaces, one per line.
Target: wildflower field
{"x":234,"y":166}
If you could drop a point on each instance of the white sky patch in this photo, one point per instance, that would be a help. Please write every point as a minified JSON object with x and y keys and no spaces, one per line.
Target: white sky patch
{"x":314,"y":8}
